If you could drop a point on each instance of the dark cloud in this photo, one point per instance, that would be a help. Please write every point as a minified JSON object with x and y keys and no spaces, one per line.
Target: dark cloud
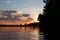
{"x":12,"y":15}
{"x":26,"y":15}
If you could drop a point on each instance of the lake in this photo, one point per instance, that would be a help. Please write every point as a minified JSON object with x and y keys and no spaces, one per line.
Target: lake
{"x":19,"y":33}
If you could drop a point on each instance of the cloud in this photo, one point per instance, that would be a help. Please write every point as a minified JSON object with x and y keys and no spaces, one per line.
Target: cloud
{"x":34,"y":12}
{"x":8,"y":1}
{"x":19,"y":12}
{"x":0,"y":16}
{"x":23,"y":18}
{"x":13,"y":17}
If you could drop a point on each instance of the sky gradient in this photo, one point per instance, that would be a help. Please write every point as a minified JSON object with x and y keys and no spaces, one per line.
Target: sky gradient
{"x":19,"y":4}
{"x":32,"y":7}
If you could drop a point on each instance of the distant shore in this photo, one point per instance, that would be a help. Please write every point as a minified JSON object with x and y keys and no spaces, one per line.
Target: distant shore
{"x":26,"y":25}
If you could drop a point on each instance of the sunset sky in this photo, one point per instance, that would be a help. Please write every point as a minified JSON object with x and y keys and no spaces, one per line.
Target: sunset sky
{"x":32,"y":7}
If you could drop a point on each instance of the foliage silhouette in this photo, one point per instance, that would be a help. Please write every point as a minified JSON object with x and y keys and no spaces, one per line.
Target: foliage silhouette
{"x":50,"y":19}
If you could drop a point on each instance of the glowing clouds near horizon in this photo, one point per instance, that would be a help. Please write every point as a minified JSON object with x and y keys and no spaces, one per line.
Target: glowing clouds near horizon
{"x":22,"y":16}
{"x":12,"y":17}
{"x":34,"y":12}
{"x":19,"y":12}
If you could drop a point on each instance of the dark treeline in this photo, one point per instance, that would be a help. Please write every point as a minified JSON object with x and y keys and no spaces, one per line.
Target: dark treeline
{"x":25,"y":25}
{"x":34,"y":24}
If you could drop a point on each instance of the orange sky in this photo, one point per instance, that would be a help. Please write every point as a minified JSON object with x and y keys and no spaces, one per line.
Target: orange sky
{"x":30,"y":20}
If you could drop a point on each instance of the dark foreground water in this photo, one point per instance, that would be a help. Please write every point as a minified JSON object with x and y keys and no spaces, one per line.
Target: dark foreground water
{"x":20,"y":33}
{"x":18,"y":36}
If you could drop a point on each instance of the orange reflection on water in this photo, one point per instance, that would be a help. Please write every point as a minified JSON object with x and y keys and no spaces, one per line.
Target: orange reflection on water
{"x":23,"y":33}
{"x":36,"y":29}
{"x":19,"y":29}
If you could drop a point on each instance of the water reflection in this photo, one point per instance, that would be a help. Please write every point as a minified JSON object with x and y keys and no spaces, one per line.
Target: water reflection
{"x":19,"y":33}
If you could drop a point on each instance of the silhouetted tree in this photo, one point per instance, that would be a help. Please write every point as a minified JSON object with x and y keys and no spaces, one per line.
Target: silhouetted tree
{"x":42,"y":21}
{"x":50,"y":19}
{"x":39,"y":17}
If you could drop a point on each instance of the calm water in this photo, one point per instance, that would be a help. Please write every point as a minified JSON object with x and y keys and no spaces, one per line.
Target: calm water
{"x":19,"y":33}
